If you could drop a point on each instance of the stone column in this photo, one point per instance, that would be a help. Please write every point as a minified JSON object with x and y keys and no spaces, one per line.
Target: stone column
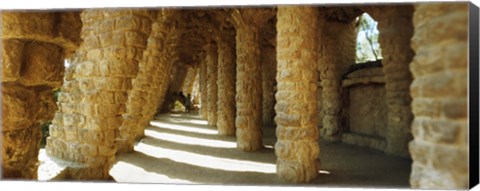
{"x":143,"y":98}
{"x":336,"y":54}
{"x":33,"y":47}
{"x":248,"y":121}
{"x":212,"y":72}
{"x":95,"y":91}
{"x":203,"y":90}
{"x":297,"y":146}
{"x":196,"y":87}
{"x":226,"y":83}
{"x":138,"y":98}
{"x":166,"y":35}
{"x":179,"y":77}
{"x":169,"y":69}
{"x":396,"y":30}
{"x":176,"y":79}
{"x":440,"y":92}
{"x":189,"y":80}
{"x":269,"y":71}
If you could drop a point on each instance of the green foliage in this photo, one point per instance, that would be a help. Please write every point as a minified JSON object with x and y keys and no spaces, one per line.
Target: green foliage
{"x":368,"y":47}
{"x":56,"y":93}
{"x":45,"y":133}
{"x":178,"y":106}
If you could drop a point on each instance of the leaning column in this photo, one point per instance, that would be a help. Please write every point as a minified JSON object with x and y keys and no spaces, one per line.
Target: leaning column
{"x":297,"y":148}
{"x":91,"y":108}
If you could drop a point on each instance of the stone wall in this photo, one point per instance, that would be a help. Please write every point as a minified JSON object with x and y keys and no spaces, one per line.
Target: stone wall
{"x":366,"y":108}
{"x":33,"y":50}
{"x":440,"y":68}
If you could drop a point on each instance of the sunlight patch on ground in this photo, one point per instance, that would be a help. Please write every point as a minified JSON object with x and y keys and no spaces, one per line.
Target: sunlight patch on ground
{"x":189,"y":140}
{"x":184,"y":115}
{"x":206,"y":160}
{"x":140,"y":175}
{"x":323,"y":172}
{"x":196,"y":121}
{"x":47,"y":169}
{"x":183,"y":128}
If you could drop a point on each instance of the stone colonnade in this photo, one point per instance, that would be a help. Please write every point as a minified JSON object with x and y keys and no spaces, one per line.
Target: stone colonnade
{"x":107,"y":82}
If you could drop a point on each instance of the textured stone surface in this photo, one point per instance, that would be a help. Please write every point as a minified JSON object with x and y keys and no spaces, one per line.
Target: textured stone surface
{"x":364,"y":141}
{"x":396,"y":30}
{"x":187,"y":87}
{"x":95,"y":91}
{"x":143,"y":98}
{"x":297,"y":148}
{"x":196,"y":88}
{"x":337,"y":52}
{"x":212,"y":72}
{"x":203,"y":90}
{"x":249,"y":77}
{"x":21,"y":132}
{"x":226,"y":83}
{"x":61,"y":28}
{"x":367,"y":110}
{"x":440,"y":127}
{"x":269,"y":70}
{"x":32,"y":53}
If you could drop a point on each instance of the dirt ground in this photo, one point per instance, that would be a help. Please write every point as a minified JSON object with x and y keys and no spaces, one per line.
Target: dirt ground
{"x":183,"y":149}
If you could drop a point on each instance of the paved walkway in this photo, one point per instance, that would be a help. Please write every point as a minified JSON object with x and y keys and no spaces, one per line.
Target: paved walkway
{"x":182,"y":148}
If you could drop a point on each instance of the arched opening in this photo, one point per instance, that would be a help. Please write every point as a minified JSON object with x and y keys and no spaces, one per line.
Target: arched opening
{"x":367,"y":46}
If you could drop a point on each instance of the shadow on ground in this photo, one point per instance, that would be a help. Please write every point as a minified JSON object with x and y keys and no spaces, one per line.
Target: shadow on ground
{"x":182,"y":148}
